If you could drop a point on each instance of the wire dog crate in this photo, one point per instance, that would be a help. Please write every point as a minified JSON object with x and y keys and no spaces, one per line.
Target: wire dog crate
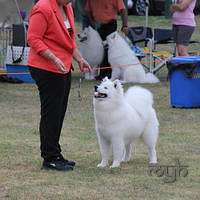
{"x":5,"y":40}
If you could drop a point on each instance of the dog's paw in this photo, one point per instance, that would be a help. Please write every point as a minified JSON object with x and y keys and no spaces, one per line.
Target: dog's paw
{"x":115,"y":164}
{"x":102,"y":165}
{"x":153,"y":162}
{"x":125,"y":160}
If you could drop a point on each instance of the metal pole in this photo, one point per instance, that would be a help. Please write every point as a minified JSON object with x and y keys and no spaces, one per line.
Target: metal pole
{"x":167,"y":6}
{"x":147,"y":12}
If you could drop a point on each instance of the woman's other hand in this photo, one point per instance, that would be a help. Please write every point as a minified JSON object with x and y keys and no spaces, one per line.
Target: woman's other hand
{"x":84,"y":66}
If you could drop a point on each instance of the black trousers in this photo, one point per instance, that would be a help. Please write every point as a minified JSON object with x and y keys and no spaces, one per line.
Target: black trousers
{"x":104,"y":31}
{"x":54,"y":90}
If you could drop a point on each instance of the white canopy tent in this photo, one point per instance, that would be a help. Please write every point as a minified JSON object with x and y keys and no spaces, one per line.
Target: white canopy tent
{"x":10,"y":10}
{"x":9,"y":15}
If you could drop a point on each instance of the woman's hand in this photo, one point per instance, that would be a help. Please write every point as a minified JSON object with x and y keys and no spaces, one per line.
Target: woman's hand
{"x":84,"y":66}
{"x":180,"y":6}
{"x":50,"y":56}
{"x":125,"y":29}
{"x":60,"y":66}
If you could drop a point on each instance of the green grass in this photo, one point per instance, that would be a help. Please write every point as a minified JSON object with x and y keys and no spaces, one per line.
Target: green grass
{"x":22,"y":179}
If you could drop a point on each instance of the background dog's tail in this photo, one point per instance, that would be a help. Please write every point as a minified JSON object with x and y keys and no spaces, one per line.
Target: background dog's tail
{"x":140,"y":99}
{"x":151,"y":78}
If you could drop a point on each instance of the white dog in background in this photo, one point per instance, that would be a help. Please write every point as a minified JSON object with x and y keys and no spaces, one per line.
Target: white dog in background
{"x":119,"y":54}
{"x":121,"y":119}
{"x":92,"y":50}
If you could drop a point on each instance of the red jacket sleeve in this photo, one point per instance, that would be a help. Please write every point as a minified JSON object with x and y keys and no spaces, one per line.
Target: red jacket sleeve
{"x":36,"y":30}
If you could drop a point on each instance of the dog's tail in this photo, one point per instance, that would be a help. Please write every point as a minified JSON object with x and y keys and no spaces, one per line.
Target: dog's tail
{"x":151,"y":78}
{"x":140,"y":99}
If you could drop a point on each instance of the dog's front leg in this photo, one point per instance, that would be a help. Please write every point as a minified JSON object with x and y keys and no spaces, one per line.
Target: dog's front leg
{"x":105,"y":148}
{"x":127,"y":155}
{"x":118,"y":151}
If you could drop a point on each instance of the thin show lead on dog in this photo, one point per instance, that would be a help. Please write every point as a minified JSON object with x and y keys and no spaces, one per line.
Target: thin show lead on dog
{"x":121,"y":119}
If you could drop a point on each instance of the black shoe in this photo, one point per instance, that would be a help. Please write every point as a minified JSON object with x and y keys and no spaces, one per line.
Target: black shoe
{"x":68,"y":162}
{"x":56,"y":165}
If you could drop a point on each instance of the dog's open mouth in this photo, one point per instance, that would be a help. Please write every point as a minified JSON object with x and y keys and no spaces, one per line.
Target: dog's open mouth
{"x":81,"y":39}
{"x":100,"y":95}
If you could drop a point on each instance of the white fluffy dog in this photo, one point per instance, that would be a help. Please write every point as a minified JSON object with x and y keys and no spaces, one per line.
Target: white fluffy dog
{"x":119,"y":53}
{"x":92,"y":50}
{"x":121,"y":119}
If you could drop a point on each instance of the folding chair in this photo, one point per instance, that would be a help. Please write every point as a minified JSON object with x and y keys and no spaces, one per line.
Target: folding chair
{"x":197,"y":52}
{"x":141,"y":37}
{"x":161,"y":36}
{"x":155,"y":59}
{"x":165,"y":36}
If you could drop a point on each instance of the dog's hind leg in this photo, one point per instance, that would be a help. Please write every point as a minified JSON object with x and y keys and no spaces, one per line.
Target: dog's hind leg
{"x":150,"y":140}
{"x":115,"y":74}
{"x":152,"y":154}
{"x":87,"y":76}
{"x":118,"y":151}
{"x":150,"y":136}
{"x":94,"y":73}
{"x":105,"y":148}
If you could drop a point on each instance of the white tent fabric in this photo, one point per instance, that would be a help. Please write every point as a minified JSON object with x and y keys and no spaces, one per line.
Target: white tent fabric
{"x":9,"y":13}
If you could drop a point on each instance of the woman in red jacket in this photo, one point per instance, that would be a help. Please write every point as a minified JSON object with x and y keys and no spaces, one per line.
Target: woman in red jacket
{"x":51,"y":36}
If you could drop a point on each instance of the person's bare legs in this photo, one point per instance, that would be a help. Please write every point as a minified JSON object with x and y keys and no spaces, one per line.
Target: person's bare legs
{"x":182,"y":50}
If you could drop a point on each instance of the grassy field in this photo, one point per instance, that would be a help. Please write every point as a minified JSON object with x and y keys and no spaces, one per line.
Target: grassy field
{"x":20,"y":174}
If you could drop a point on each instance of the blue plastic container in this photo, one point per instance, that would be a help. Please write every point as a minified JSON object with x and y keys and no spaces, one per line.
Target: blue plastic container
{"x":184,"y":91}
{"x":19,"y":70}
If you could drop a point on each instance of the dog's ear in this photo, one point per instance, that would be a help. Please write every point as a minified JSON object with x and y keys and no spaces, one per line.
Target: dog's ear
{"x":113,"y":35}
{"x":117,"y":84}
{"x":105,"y":79}
{"x":90,"y":28}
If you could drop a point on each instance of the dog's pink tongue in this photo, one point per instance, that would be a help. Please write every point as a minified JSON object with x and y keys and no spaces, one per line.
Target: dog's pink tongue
{"x":96,"y":94}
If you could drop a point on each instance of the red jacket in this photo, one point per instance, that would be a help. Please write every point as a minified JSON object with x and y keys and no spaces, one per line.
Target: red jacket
{"x":48,"y":31}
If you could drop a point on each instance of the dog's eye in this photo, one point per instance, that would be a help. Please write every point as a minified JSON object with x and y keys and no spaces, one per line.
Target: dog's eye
{"x":105,"y":88}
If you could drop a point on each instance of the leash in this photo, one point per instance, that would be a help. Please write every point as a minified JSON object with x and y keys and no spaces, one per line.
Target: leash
{"x":117,"y":66}
{"x":79,"y":86}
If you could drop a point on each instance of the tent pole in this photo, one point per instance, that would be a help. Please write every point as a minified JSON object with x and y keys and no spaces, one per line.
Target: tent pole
{"x":17,"y":5}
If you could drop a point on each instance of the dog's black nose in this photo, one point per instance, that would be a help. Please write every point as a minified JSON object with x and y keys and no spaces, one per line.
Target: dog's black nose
{"x":95,"y":88}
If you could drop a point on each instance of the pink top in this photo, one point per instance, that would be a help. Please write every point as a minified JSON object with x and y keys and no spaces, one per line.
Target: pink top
{"x":185,"y":17}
